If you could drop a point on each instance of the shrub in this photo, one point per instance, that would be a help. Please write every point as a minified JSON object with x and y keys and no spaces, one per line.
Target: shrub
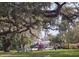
{"x":65,"y":46}
{"x":71,"y":46}
{"x":77,"y":45}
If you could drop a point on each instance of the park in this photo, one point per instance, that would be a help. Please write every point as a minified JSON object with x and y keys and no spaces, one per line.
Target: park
{"x":39,"y":29}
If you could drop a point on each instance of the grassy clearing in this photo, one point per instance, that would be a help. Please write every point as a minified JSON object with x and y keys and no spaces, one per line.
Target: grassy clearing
{"x":49,"y":53}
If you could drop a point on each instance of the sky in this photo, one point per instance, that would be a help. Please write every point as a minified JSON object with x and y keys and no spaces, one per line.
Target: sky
{"x":55,"y":32}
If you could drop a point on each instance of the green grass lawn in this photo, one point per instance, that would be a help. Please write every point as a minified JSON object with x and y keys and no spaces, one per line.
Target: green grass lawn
{"x":49,"y":53}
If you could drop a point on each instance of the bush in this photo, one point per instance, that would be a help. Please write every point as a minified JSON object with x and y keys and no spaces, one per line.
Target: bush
{"x":71,"y":46}
{"x":77,"y":45}
{"x":65,"y":46}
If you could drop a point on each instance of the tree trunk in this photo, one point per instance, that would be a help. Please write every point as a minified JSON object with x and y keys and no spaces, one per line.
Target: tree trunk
{"x":6,"y":49}
{"x":68,"y":45}
{"x":54,"y":46}
{"x":6,"y":45}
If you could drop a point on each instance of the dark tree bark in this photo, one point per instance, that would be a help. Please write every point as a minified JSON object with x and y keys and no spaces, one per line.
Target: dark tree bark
{"x":6,"y":45}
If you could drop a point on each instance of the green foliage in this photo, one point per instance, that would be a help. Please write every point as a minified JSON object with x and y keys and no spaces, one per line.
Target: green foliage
{"x":27,"y":40}
{"x":63,"y":26}
{"x":21,"y":17}
{"x":73,"y":34}
{"x":55,"y":39}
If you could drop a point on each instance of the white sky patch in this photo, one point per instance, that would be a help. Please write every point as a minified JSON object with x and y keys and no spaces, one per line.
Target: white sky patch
{"x":52,"y":32}
{"x":55,"y":32}
{"x":42,"y":34}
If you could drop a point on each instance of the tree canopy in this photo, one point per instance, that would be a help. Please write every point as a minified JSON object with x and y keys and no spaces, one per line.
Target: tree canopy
{"x":31,"y":18}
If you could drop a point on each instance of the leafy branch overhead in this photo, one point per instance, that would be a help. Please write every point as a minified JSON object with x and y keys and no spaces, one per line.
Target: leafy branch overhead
{"x":21,"y":17}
